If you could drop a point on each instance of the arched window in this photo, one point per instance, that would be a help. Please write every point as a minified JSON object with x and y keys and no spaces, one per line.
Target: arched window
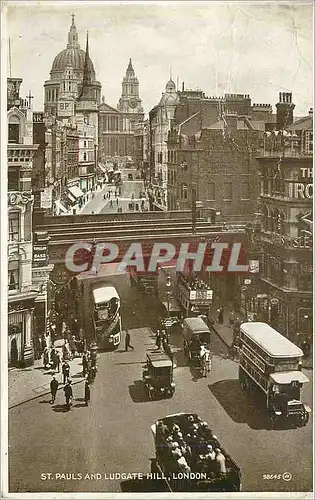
{"x":184,"y":191}
{"x":14,"y":129}
{"x":265,"y":218}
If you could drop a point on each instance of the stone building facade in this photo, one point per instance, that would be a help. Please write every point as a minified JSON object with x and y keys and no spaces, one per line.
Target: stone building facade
{"x":23,"y":284}
{"x":285,"y":161}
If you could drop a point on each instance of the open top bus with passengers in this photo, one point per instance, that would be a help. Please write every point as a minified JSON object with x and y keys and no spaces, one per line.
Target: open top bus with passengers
{"x":106,"y":318}
{"x":184,"y":460}
{"x":272,"y":363}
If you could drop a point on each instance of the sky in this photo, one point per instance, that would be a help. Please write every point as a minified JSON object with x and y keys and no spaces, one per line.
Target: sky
{"x":252,"y":48}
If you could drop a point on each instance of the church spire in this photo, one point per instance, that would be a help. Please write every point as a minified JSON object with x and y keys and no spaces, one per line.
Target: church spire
{"x":130,"y":68}
{"x":87,"y":76}
{"x":87,"y":69}
{"x":73,"y":40}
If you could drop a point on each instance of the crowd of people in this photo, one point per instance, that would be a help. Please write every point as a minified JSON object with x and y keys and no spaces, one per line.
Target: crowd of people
{"x":57,"y":355}
{"x":189,"y":447}
{"x":89,"y":370}
{"x":195,"y":283}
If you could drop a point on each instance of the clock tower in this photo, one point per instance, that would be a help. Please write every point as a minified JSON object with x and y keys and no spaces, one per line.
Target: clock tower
{"x":130,"y":101}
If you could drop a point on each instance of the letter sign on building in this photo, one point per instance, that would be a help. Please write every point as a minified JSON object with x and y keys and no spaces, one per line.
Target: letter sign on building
{"x":65,"y":108}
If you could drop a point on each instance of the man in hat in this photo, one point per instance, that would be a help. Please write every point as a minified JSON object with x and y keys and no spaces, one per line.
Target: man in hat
{"x":65,"y":371}
{"x":68,"y":393}
{"x":53,"y":389}
{"x":85,"y":363}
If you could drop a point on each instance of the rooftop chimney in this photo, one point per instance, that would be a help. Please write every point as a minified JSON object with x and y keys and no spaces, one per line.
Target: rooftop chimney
{"x":285,"y":109}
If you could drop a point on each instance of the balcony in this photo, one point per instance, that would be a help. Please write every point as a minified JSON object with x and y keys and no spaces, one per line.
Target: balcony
{"x":284,"y":153}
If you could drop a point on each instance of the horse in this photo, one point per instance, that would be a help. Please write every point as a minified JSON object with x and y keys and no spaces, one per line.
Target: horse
{"x":205,"y":358}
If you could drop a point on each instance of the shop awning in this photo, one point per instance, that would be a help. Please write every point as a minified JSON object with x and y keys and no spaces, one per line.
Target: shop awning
{"x":103,"y":168}
{"x":60,"y":207}
{"x":75,"y":191}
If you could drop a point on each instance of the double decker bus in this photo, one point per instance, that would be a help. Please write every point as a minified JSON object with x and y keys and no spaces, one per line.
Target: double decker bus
{"x":194,"y":296}
{"x":272,"y":364}
{"x":106,"y":318}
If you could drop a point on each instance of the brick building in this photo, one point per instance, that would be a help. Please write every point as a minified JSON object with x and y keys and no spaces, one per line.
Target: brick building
{"x":219,"y":162}
{"x":227,"y":119}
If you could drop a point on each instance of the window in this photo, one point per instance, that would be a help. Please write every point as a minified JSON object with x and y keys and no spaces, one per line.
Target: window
{"x":265,"y":218}
{"x":308,"y":142}
{"x":184,"y":191}
{"x":14,"y":226}
{"x":14,"y":133}
{"x":245,"y":191}
{"x":13,"y":275}
{"x":13,"y":179}
{"x":211,"y":191}
{"x":85,"y":144}
{"x":228,"y":191}
{"x":84,"y":156}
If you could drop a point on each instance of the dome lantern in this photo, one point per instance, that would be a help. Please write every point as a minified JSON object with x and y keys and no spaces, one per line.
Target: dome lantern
{"x":73,"y":40}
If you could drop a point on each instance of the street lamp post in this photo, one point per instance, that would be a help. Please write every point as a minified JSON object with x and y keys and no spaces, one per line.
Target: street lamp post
{"x":168,"y":293}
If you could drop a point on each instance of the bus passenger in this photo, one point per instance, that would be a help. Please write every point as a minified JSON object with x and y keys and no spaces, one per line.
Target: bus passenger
{"x":220,"y":459}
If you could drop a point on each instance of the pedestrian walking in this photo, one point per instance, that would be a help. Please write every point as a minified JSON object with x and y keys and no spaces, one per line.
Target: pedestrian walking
{"x":53,"y":389}
{"x":104,"y":196}
{"x":85,"y":363}
{"x":46,"y":361}
{"x":127,"y":341}
{"x":73,"y":346}
{"x":109,"y":193}
{"x":65,"y":371}
{"x":87,"y":393}
{"x":220,"y":315}
{"x":57,"y":361}
{"x":132,"y":197}
{"x":68,"y":394}
{"x":158,"y":339}
{"x":117,"y":202}
{"x":111,"y":203}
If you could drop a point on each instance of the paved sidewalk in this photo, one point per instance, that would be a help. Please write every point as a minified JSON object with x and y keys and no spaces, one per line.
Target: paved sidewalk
{"x":97,"y":203}
{"x":225,"y":331}
{"x":30,"y":383}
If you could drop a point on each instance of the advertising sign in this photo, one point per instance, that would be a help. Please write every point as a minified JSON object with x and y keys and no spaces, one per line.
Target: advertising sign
{"x":46,"y":198}
{"x":40,"y":254}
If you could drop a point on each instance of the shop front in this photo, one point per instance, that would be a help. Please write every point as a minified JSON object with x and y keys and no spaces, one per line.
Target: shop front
{"x":20,"y":331}
{"x":289,"y":312}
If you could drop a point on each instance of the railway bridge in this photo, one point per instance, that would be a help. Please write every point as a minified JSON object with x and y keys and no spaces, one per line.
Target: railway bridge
{"x":145,"y":229}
